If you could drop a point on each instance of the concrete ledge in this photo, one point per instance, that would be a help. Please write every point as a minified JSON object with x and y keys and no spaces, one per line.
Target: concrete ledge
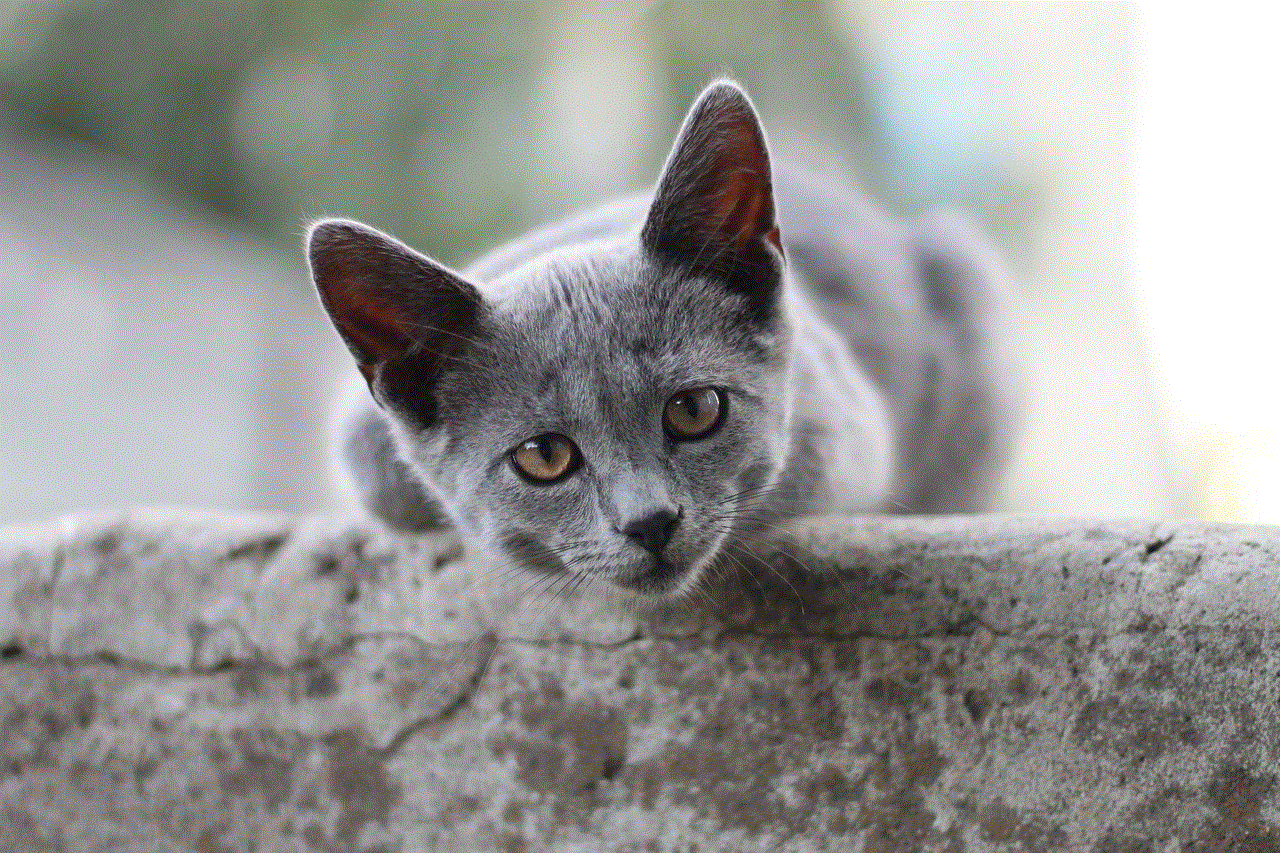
{"x":176,"y":681}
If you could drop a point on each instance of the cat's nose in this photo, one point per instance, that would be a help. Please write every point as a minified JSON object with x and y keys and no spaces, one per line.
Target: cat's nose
{"x":653,"y":532}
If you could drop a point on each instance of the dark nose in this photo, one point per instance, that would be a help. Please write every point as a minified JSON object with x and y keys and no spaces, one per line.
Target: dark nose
{"x":653,"y":532}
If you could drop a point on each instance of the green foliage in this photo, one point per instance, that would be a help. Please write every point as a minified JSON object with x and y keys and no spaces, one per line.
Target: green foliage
{"x":428,"y":119}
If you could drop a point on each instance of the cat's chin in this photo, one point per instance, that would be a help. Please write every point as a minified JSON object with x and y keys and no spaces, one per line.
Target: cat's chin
{"x":655,"y":578}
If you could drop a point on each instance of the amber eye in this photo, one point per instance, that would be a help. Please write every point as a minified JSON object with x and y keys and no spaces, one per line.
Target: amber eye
{"x":693,"y":413}
{"x":546,"y":458}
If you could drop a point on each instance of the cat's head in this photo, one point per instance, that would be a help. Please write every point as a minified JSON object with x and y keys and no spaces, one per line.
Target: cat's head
{"x":614,"y":411}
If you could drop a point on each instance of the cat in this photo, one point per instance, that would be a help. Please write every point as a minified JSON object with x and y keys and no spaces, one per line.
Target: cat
{"x":643,"y":390}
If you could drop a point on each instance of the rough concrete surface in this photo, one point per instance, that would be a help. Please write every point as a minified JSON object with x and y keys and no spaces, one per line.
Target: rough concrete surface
{"x":178,"y":681}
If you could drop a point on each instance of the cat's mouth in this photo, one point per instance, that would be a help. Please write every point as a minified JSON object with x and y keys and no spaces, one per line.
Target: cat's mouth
{"x":651,"y":576}
{"x":656,"y":577}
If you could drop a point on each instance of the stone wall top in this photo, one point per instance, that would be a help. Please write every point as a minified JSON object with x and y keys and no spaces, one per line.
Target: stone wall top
{"x":984,"y":683}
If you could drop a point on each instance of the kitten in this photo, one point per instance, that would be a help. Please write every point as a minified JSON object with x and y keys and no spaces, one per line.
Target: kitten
{"x":637,"y":392}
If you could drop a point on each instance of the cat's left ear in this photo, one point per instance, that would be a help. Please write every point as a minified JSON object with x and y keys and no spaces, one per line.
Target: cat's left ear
{"x":713,"y":210}
{"x":404,"y":317}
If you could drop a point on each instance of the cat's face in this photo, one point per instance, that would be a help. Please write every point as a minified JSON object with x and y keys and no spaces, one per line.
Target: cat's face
{"x":608,"y":412}
{"x":612,"y":421}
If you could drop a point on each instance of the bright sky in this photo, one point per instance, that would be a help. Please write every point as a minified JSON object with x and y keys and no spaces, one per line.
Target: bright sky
{"x":1205,"y":270}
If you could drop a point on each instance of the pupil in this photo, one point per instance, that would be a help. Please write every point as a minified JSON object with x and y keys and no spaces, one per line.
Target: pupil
{"x":690,"y":405}
{"x":547,"y":451}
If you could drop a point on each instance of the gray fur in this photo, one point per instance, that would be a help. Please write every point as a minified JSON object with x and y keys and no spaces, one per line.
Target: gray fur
{"x":871,"y":375}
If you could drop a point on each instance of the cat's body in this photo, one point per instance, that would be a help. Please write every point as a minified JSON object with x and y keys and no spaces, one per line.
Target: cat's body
{"x":868,"y":371}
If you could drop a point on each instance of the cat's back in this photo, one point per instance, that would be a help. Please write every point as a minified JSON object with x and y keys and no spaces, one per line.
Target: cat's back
{"x":924,"y":306}
{"x":826,"y":226}
{"x":612,"y":221}
{"x":809,"y":207}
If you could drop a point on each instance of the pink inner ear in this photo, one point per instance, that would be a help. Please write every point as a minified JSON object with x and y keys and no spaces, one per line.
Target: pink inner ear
{"x":743,"y":207}
{"x":715,"y":191}
{"x":775,"y":239}
{"x":375,"y":327}
{"x":401,"y":314}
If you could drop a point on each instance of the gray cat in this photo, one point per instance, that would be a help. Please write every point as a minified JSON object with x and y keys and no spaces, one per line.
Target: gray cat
{"x":643,"y":390}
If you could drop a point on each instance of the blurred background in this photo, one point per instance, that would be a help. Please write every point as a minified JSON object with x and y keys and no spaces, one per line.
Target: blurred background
{"x":160,"y":342}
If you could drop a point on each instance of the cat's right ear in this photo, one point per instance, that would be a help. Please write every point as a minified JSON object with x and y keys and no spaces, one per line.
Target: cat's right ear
{"x":713,"y":210}
{"x":401,"y":314}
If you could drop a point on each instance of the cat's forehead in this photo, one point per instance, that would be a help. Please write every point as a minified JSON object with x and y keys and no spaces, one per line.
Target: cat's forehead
{"x":614,"y":311}
{"x":592,"y":339}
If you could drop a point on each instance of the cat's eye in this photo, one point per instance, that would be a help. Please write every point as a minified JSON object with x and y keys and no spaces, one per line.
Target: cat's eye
{"x":693,"y":413}
{"x":546,"y":458}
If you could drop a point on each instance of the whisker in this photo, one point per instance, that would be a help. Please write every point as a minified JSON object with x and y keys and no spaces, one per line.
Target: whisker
{"x":730,"y":543}
{"x":457,"y":357}
{"x":761,"y":490}
{"x":696,"y":587}
{"x":742,"y":569}
{"x":568,"y":588}
{"x":742,"y":528}
{"x":551,"y":593}
{"x":425,"y":327}
{"x":894,"y":502}
{"x":773,"y":543}
{"x":498,"y":572}
{"x":585,"y":579}
{"x":745,"y":570}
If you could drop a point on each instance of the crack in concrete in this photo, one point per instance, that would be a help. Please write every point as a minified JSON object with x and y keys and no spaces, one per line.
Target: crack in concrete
{"x":109,"y":657}
{"x":965,"y":627}
{"x":59,"y":562}
{"x":400,"y":738}
{"x":1187,"y":574}
{"x":488,"y":643}
{"x":713,"y":636}
{"x":270,"y":546}
{"x":14,"y":653}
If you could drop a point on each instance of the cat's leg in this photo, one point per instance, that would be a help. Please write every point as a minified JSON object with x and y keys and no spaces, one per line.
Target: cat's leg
{"x":384,"y":484}
{"x":970,"y":411}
